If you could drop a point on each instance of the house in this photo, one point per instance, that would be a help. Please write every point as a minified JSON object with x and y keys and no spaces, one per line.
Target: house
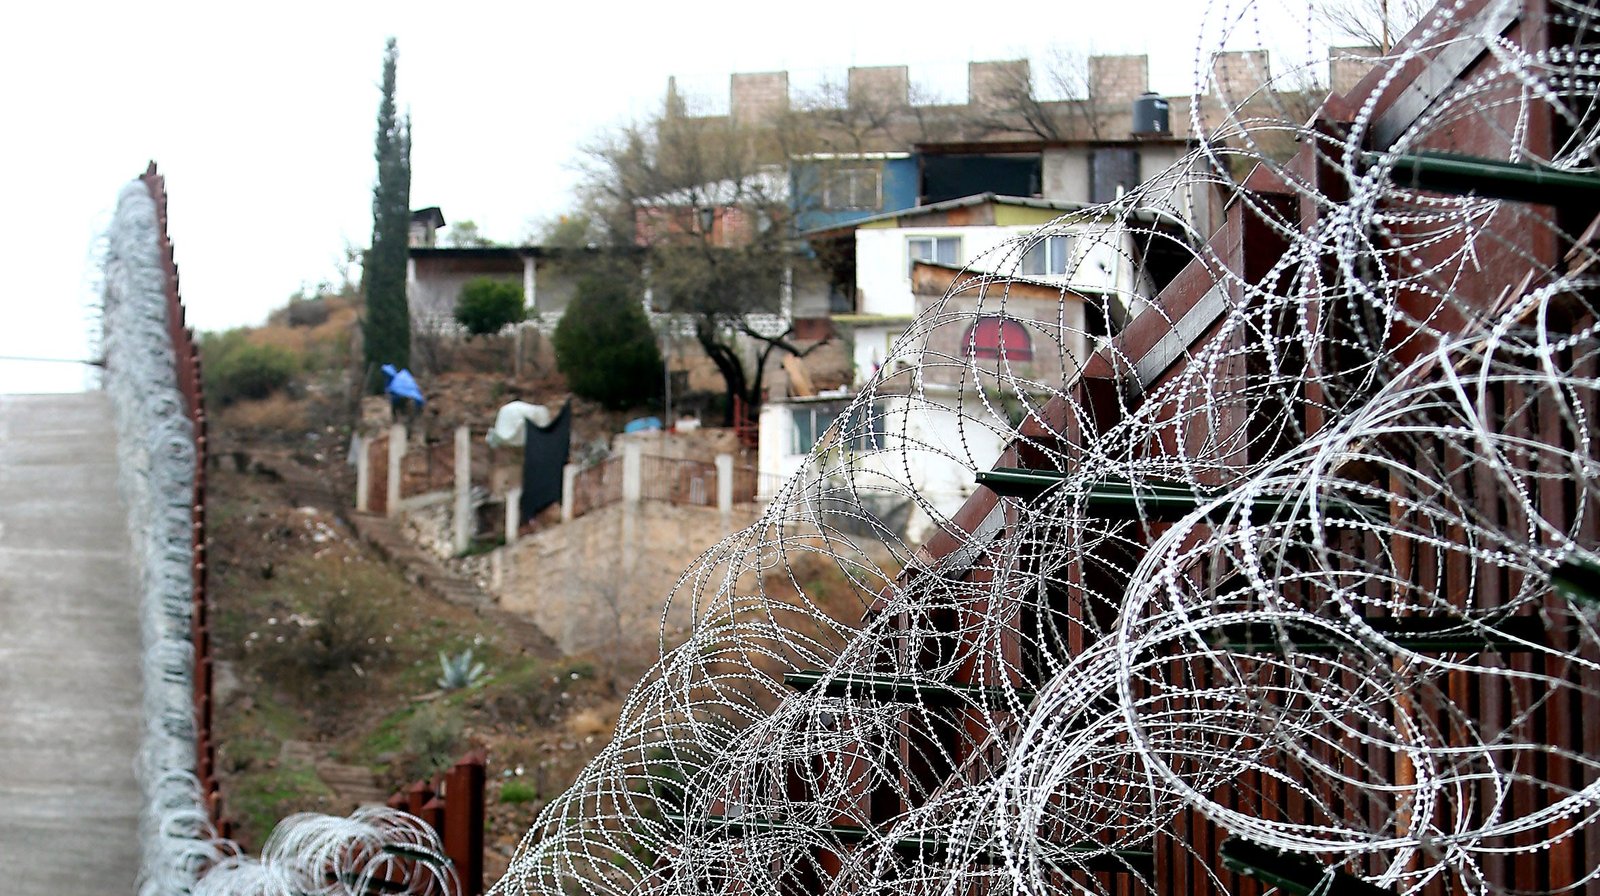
{"x":973,"y":338}
{"x":425,"y":224}
{"x":1009,"y":289}
{"x":435,"y":275}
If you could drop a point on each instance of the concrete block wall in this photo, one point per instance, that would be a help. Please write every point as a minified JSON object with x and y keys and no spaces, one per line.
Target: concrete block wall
{"x":1237,"y":75}
{"x":1348,"y":65}
{"x":755,"y":97}
{"x":987,"y":81}
{"x":1118,"y":79}
{"x":879,"y":85}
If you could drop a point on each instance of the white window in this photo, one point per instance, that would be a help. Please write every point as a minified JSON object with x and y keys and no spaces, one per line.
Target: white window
{"x":1045,"y":257}
{"x":864,"y":430}
{"x":941,"y":249}
{"x":845,"y":189}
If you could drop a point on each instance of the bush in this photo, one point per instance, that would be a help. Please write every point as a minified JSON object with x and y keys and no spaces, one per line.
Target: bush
{"x":432,"y":740}
{"x":487,"y":305}
{"x":316,"y":655}
{"x":516,"y":792}
{"x":236,"y":369}
{"x":604,"y":344}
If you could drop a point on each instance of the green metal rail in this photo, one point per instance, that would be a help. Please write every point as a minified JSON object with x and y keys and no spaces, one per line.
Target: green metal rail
{"x":926,"y":848}
{"x":1161,"y":503}
{"x":892,"y":689}
{"x":1421,"y":634}
{"x":1461,"y":175}
{"x":1291,"y":874}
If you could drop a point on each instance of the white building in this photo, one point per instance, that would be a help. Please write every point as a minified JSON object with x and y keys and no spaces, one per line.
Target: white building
{"x":962,"y":309}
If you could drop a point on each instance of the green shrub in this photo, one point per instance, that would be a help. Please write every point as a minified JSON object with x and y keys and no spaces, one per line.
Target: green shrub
{"x":487,"y":305}
{"x":433,"y":739}
{"x":316,"y":655}
{"x":236,"y":369}
{"x":515,"y":792}
{"x":604,"y":344}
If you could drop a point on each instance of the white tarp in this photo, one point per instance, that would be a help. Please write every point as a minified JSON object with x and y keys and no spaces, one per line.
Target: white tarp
{"x":509,"y":420}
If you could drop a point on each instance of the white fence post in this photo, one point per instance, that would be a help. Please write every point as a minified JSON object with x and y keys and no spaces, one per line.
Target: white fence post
{"x":569,"y":491}
{"x":632,"y":474}
{"x":514,"y":510}
{"x":363,"y":474}
{"x":397,"y":453}
{"x":463,"y":509}
{"x":725,"y":484}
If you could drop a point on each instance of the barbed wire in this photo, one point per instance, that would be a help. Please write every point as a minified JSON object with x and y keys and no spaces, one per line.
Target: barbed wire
{"x":1300,"y":573}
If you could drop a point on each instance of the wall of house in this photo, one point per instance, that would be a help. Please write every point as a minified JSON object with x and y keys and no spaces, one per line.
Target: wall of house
{"x":939,"y":436}
{"x":899,"y":191}
{"x":883,"y":275}
{"x":870,"y":347}
{"x":434,"y":283}
{"x":1055,"y":329}
{"x":554,"y":284}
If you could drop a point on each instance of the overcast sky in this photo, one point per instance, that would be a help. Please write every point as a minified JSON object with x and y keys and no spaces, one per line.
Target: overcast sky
{"x":261,"y":116}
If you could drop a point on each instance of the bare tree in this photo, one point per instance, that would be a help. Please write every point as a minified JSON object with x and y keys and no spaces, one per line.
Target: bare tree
{"x":708,"y":201}
{"x":1060,"y":104}
{"x":1376,"y":23}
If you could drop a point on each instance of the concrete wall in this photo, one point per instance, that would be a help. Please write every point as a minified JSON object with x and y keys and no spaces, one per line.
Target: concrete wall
{"x":1348,"y":65}
{"x":879,"y":86}
{"x":758,"y":96}
{"x":600,"y":582}
{"x":1118,"y":79}
{"x":988,"y":83}
{"x":1237,"y":75}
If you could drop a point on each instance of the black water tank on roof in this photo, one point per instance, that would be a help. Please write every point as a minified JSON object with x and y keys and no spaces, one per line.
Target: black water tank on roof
{"x":1150,"y":115}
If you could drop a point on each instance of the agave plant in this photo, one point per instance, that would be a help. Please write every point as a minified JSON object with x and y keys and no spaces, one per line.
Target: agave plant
{"x":459,"y":671}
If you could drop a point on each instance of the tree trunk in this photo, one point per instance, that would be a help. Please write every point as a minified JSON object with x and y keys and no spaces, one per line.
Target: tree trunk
{"x":727,"y":361}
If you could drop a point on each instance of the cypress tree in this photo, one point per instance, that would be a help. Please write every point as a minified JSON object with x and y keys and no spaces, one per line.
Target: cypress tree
{"x":387,"y":329}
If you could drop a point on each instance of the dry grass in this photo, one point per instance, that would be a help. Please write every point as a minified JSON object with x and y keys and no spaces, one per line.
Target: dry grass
{"x":588,"y":721}
{"x":275,"y":412}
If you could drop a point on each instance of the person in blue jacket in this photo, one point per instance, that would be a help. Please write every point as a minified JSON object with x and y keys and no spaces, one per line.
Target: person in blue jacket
{"x":405,"y":398}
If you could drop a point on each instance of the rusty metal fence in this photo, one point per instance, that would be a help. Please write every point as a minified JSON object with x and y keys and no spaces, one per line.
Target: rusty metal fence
{"x":597,"y":486}
{"x":677,"y":481}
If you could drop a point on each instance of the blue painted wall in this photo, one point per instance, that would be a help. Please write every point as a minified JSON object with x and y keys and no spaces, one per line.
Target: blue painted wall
{"x":900,"y":184}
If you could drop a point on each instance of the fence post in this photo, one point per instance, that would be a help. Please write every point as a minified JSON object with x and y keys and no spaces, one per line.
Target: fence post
{"x":569,"y":491}
{"x":632,"y":470}
{"x":725,"y":486}
{"x":463,"y":821}
{"x":514,"y":508}
{"x":363,"y":474}
{"x":397,"y":453}
{"x":463,"y":509}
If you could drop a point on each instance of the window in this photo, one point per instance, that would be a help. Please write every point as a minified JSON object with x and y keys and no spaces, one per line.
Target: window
{"x":810,"y":422}
{"x":845,"y":189}
{"x":941,"y":249}
{"x":1045,"y":257}
{"x":998,"y":337}
{"x":862,"y":431}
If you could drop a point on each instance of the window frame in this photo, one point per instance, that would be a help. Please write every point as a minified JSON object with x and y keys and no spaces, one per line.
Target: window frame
{"x":849,"y":181}
{"x":1054,"y":254}
{"x":934,"y":240}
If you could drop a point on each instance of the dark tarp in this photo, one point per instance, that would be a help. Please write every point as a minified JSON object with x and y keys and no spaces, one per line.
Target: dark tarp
{"x":544,"y":454}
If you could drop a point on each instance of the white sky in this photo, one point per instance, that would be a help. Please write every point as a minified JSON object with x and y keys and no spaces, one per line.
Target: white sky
{"x":261,"y":116}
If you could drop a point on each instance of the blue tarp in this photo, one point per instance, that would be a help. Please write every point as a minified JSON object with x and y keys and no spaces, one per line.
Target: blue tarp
{"x":402,"y":385}
{"x":643,"y":424}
